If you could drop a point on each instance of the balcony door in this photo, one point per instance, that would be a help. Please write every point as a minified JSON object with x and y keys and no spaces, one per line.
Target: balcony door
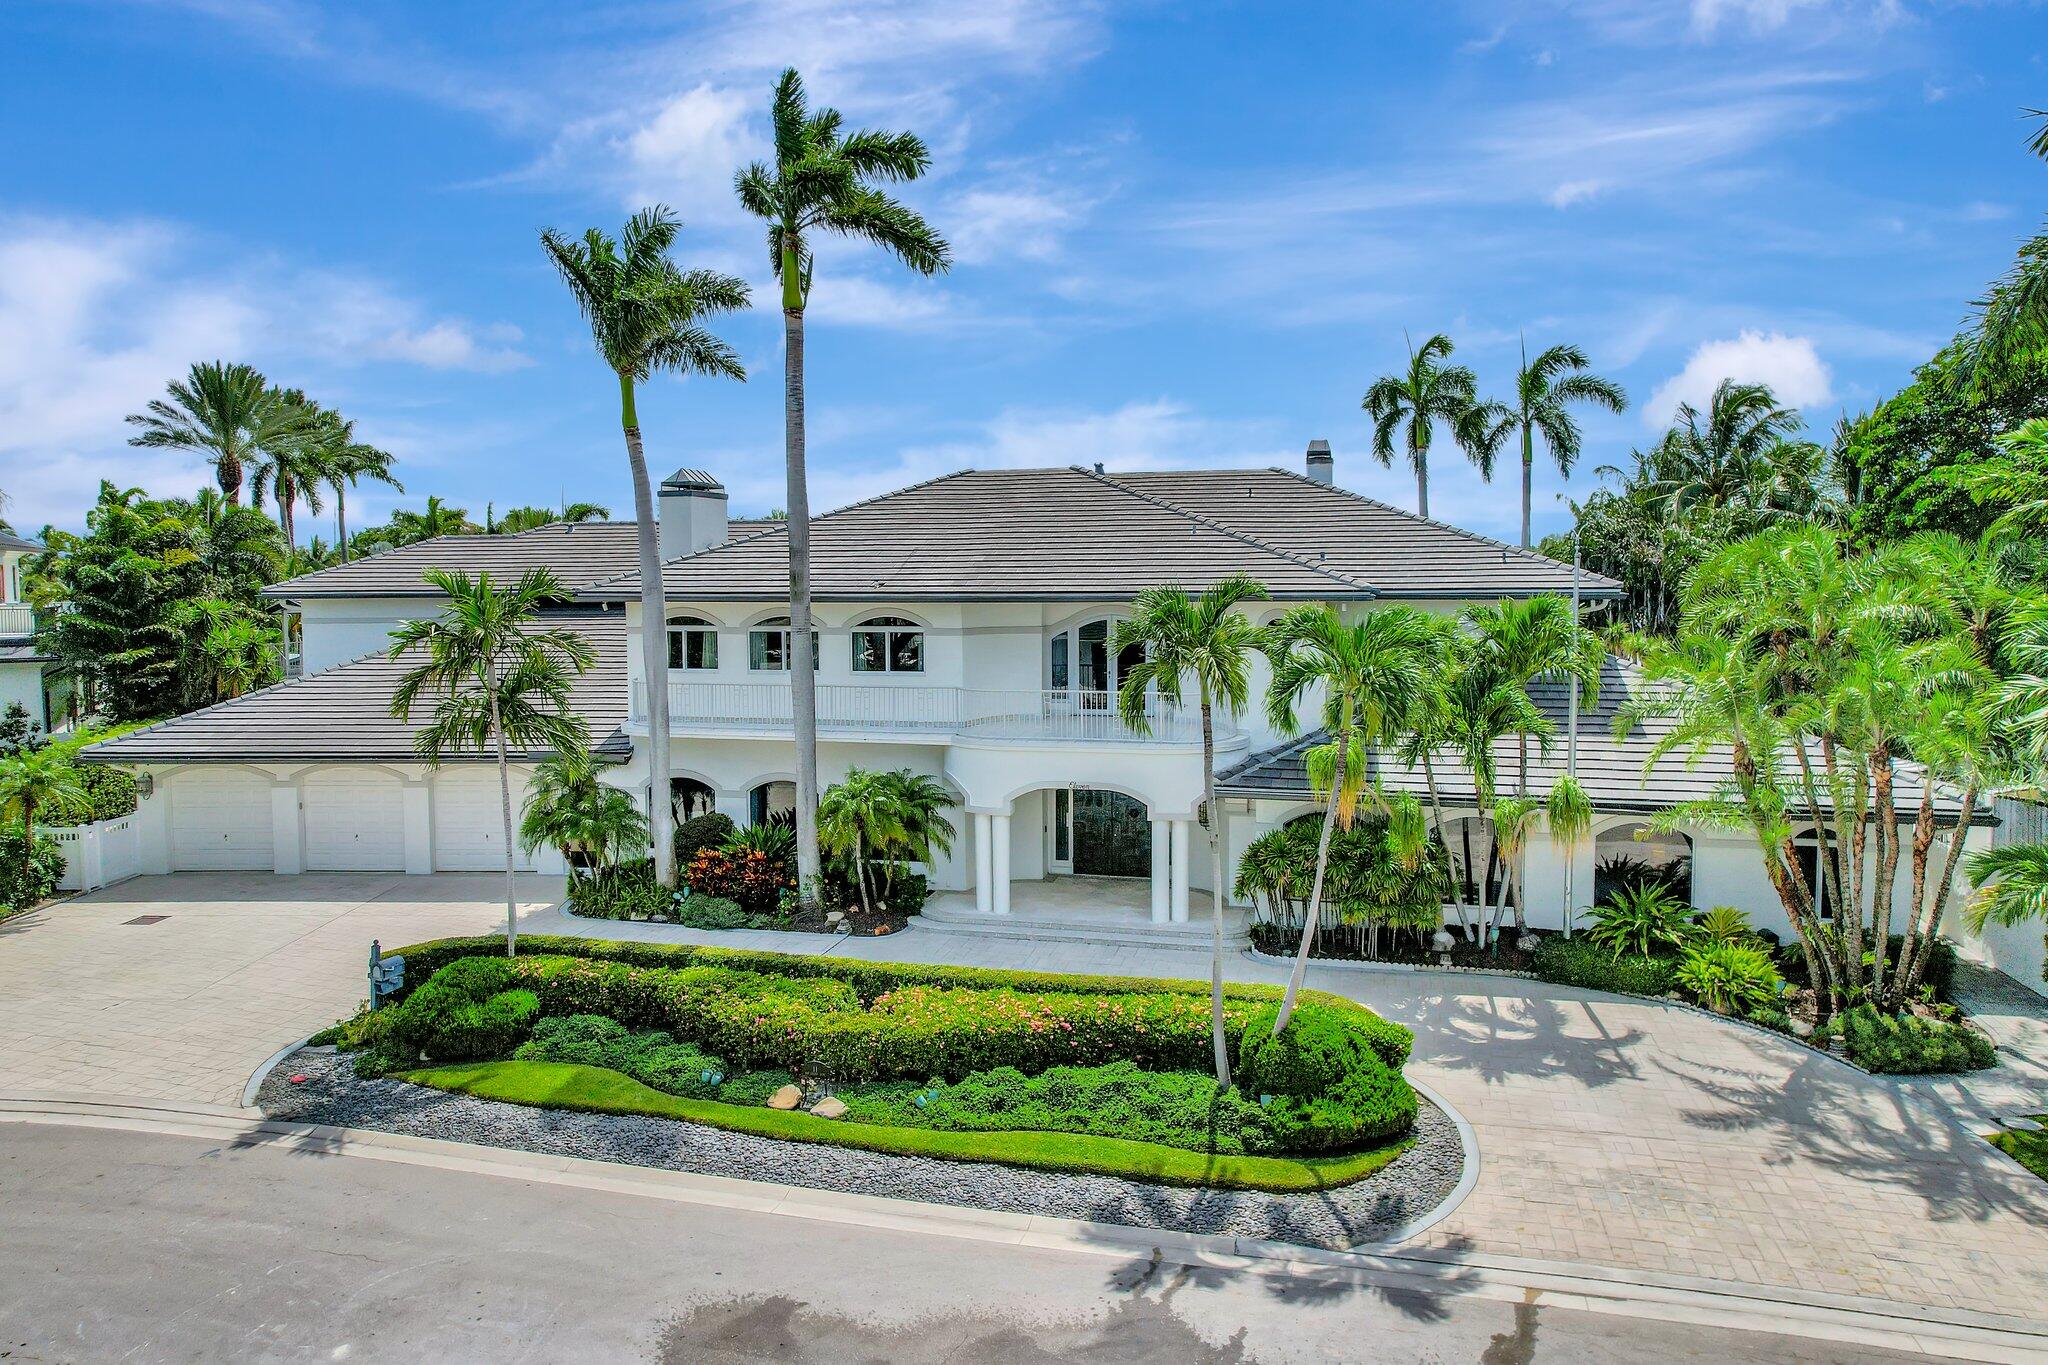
{"x":1099,"y":669}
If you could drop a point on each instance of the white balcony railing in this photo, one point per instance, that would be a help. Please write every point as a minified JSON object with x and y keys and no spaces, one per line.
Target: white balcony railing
{"x":17,"y":619}
{"x":1089,"y":717}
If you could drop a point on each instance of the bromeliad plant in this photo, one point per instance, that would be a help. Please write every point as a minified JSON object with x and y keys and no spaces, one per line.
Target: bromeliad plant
{"x":1642,"y":921}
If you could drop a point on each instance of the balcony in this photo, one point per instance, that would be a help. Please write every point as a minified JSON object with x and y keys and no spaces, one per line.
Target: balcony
{"x":856,"y":710}
{"x":17,"y":620}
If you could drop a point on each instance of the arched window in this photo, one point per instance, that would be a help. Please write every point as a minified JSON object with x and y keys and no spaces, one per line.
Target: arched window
{"x":692,"y":643}
{"x":768,"y":646}
{"x":1086,"y":660}
{"x":1622,"y":861}
{"x":888,"y":644}
{"x":690,"y":798}
{"x":771,"y":801}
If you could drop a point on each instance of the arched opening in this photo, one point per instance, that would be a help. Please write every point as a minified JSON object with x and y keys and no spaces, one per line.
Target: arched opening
{"x":888,"y":644}
{"x":1084,"y":660}
{"x":692,"y":644}
{"x":1631,"y":856}
{"x":691,"y":798}
{"x":771,"y":802}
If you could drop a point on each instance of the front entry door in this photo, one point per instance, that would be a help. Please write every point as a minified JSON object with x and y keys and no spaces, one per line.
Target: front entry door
{"x":1112,"y":835}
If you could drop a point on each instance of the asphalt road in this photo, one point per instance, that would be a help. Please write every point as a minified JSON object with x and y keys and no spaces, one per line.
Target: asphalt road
{"x":145,"y":1247}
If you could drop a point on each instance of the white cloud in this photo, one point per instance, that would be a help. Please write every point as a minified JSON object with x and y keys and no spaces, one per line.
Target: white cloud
{"x":1789,"y":365}
{"x":687,"y":152}
{"x":863,"y":302}
{"x":1572,"y":192}
{"x":990,"y":222}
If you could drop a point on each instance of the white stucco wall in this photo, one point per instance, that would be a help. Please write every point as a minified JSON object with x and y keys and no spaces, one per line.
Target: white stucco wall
{"x":335,"y":632}
{"x":23,"y":683}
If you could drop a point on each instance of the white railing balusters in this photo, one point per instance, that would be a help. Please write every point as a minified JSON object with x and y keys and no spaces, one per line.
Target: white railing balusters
{"x":984,"y":713}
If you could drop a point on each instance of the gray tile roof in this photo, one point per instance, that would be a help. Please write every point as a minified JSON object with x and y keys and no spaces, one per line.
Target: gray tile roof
{"x":12,"y":653}
{"x":10,"y":541}
{"x":344,"y":714}
{"x":1023,"y":534}
{"x":1399,"y":553}
{"x":1610,"y":770}
{"x":579,"y":555}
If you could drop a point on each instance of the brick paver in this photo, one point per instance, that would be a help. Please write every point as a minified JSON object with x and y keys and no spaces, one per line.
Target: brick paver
{"x":1613,"y":1132}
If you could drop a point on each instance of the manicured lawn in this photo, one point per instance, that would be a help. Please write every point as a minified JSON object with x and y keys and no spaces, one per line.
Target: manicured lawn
{"x":561,"y":1085}
{"x":2029,"y":1149}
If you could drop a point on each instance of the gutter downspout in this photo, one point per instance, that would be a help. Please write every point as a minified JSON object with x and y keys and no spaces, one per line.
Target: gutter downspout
{"x":1571,"y":742}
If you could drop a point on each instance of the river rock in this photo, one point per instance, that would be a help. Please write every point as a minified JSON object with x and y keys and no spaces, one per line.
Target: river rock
{"x":789,"y":1097}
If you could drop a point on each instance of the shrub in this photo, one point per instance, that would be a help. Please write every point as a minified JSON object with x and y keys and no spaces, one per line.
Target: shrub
{"x":654,"y":1059}
{"x":1906,"y":1044}
{"x":711,"y":912}
{"x":1366,"y":1105}
{"x":699,"y":832}
{"x":22,"y":886}
{"x":469,"y":1009}
{"x":753,"y":1087}
{"x":1722,"y":924}
{"x":1311,"y":1055}
{"x":1640,"y":921}
{"x":1578,"y":962}
{"x":623,"y":892}
{"x":749,"y":877}
{"x":906,"y":894}
{"x":1729,"y":977}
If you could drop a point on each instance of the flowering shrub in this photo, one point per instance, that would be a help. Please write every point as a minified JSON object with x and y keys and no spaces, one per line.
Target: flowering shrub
{"x":751,"y":878}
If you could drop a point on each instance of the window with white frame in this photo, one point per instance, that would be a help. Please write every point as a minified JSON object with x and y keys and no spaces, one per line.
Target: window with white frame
{"x":768,"y":647}
{"x":888,"y":644}
{"x":692,"y":643}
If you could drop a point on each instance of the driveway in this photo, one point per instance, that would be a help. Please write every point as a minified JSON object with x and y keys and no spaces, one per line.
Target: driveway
{"x":187,"y":1005}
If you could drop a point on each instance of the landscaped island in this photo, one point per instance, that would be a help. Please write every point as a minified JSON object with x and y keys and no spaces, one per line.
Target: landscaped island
{"x":1086,"y":1074}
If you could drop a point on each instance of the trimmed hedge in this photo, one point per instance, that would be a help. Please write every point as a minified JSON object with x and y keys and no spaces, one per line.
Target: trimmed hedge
{"x":871,"y":980}
{"x":1581,"y":962}
{"x":1908,"y":1045}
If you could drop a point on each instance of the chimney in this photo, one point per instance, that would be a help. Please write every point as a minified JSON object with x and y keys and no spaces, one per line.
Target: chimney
{"x":692,"y":513}
{"x":1320,"y":466}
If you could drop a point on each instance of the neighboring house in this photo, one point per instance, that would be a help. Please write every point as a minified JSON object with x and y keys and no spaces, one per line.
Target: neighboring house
{"x":28,"y":676}
{"x":965,"y":630}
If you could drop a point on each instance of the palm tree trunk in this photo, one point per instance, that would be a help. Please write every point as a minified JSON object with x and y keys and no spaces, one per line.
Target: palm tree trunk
{"x":1315,"y":894}
{"x":505,"y":809}
{"x":1931,"y":928}
{"x":341,"y":519}
{"x":1528,"y":477}
{"x":1419,"y":457}
{"x":1887,"y":867}
{"x":653,"y":646}
{"x":1436,"y":806}
{"x":1217,"y":1042}
{"x":860,"y":875}
{"x":803,"y":681}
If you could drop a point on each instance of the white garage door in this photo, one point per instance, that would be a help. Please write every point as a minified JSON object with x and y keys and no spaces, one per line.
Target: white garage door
{"x":469,"y":820}
{"x":355,"y":822}
{"x":220,"y":821}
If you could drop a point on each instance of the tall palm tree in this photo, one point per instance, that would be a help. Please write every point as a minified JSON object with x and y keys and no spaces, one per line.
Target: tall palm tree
{"x":437,"y":518}
{"x":497,"y":678}
{"x":1545,"y":389}
{"x":1206,"y":641}
{"x":2012,"y":317}
{"x":295,"y":467}
{"x":228,"y":413}
{"x":44,"y":780}
{"x":1427,"y":392}
{"x":348,"y":461}
{"x":1482,"y":706}
{"x":1370,"y":673}
{"x":822,"y":180}
{"x":646,"y":315}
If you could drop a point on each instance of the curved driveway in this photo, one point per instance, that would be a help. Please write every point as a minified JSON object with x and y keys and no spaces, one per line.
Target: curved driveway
{"x":1617,"y":1133}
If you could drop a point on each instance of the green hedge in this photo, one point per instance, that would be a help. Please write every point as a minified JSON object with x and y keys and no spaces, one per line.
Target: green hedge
{"x":1582,"y":962}
{"x":1907,"y":1045}
{"x":872,"y":980}
{"x":30,"y":881}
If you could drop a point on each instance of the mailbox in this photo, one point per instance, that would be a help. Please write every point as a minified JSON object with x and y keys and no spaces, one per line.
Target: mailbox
{"x":387,"y":974}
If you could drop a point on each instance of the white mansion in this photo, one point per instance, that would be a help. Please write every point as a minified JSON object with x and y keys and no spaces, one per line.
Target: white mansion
{"x":965,"y":631}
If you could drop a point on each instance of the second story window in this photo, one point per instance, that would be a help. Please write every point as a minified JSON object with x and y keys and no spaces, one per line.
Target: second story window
{"x":692,"y":643}
{"x":888,"y":644}
{"x":768,"y":647}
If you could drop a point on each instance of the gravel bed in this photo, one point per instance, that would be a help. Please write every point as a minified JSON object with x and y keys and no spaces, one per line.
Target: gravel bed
{"x":1416,"y":1182}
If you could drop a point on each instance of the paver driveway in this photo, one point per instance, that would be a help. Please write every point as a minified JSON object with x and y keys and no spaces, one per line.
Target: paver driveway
{"x":241,"y":964}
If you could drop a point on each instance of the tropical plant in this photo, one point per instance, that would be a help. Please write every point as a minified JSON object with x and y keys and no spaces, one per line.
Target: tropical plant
{"x":593,"y":825}
{"x":1723,"y":924}
{"x":2011,"y":886}
{"x":349,"y":461}
{"x":646,"y":315}
{"x":1546,"y":388}
{"x":921,"y":803}
{"x":1568,"y":812}
{"x":240,"y":647}
{"x":1729,"y":977}
{"x":297,"y":467}
{"x":822,"y":180}
{"x":39,"y":781}
{"x":858,"y":816}
{"x":2012,"y":321}
{"x":1205,"y":643}
{"x":435,"y":519}
{"x":1371,"y":675}
{"x":496,"y":677}
{"x":228,"y":414}
{"x":533,"y":518}
{"x":1427,"y":392}
{"x":1641,"y":921}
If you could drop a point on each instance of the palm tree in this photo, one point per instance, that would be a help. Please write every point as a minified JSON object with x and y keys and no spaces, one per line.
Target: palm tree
{"x":1428,"y":392}
{"x":927,"y":833}
{"x":2012,"y":319}
{"x":42,"y":780}
{"x":533,"y":518}
{"x":860,"y":816}
{"x":1482,"y":706}
{"x":1371,"y":674}
{"x":435,"y":519}
{"x":646,"y":315}
{"x":349,"y":460}
{"x":1741,"y":456}
{"x":822,"y":181}
{"x":1206,"y":641}
{"x":1545,"y":389}
{"x":568,"y":809}
{"x":228,"y":413}
{"x":2012,"y":886}
{"x":295,"y":466}
{"x":497,"y":679}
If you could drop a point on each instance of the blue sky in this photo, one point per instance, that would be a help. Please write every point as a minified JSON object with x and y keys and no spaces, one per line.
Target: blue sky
{"x":1187,"y":234}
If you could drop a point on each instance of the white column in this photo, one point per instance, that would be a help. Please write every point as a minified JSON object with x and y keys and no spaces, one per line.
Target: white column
{"x":999,"y":870}
{"x":984,"y":865}
{"x":419,"y":827}
{"x":1162,"y":852}
{"x":1183,"y":842}
{"x":286,"y":853}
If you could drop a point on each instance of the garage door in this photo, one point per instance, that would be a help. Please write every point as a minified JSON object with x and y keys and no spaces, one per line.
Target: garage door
{"x":469,"y":821}
{"x":355,"y":822}
{"x":220,"y":821}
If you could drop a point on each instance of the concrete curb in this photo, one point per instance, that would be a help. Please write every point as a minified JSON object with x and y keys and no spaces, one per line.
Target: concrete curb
{"x":262,"y":1073}
{"x":1870,"y":1322}
{"x":1468,"y":1177}
{"x":1345,"y":964}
